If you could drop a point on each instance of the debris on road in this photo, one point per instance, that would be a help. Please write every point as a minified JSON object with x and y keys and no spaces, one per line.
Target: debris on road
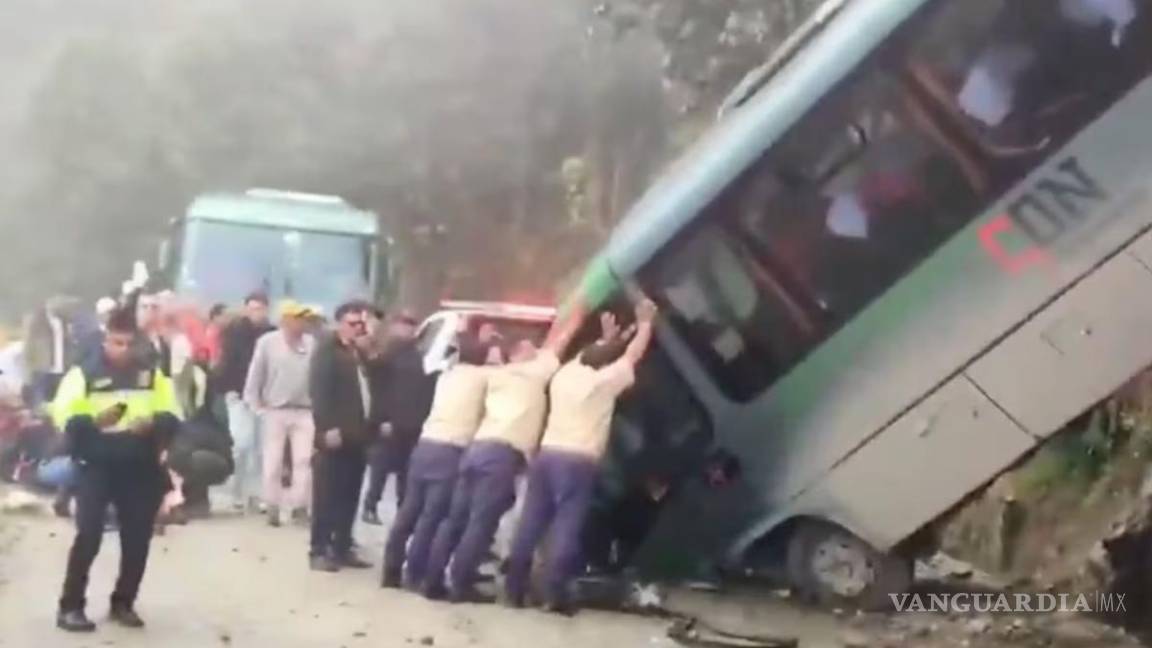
{"x":978,"y":625}
{"x":696,"y":633}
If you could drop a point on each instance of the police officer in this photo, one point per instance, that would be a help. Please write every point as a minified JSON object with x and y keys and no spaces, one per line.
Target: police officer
{"x":118,"y":411}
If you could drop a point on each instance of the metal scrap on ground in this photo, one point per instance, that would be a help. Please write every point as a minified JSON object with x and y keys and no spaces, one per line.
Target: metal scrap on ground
{"x":689,"y":631}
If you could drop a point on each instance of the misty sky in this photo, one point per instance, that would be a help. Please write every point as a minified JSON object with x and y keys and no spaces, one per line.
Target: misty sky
{"x":115,"y":113}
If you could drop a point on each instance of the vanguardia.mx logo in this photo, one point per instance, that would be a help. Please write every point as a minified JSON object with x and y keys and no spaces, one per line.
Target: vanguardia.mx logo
{"x":985,"y":602}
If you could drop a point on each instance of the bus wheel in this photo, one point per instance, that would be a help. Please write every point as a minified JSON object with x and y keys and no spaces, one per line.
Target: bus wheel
{"x":832,"y":567}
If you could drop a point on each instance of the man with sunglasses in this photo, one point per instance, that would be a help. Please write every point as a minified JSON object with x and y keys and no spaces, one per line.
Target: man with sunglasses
{"x":341,"y":402}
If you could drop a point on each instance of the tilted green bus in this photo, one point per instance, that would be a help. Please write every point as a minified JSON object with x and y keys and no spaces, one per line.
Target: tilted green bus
{"x":316,"y":249}
{"x":902,"y":260}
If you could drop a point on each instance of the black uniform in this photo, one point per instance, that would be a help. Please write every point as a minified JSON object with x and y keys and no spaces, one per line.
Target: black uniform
{"x":116,"y":466}
{"x":337,"y":473}
{"x":402,"y":396}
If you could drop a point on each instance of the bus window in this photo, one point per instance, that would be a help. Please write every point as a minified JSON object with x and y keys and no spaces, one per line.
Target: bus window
{"x":799,"y":246}
{"x":1024,"y":77}
{"x":847,"y":237}
{"x":742,"y":324}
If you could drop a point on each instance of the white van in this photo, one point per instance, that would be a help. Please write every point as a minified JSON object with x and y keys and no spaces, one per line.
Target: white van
{"x":437,"y":336}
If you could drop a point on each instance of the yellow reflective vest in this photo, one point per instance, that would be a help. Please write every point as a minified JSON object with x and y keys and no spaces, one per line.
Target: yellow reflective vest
{"x":87,"y":392}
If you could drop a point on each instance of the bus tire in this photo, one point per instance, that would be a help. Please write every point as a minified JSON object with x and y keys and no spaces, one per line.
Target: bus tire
{"x":830,"y":566}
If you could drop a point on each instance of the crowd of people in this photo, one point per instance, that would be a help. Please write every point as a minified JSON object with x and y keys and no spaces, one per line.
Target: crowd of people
{"x":138,"y":411}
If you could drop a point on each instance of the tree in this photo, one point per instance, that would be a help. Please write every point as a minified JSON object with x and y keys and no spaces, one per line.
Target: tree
{"x":709,"y":46}
{"x":451,"y":120}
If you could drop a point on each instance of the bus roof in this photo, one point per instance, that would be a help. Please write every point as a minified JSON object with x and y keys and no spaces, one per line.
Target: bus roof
{"x":500,"y":309}
{"x":734,"y":143}
{"x":267,"y":208}
{"x":792,"y":45}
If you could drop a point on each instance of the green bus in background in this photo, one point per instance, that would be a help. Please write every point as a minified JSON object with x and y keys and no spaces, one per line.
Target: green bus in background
{"x":905,"y":257}
{"x":318,"y":250}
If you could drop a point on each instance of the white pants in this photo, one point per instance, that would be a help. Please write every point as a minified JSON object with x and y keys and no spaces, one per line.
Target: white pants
{"x":245,"y":429}
{"x":293,"y":427}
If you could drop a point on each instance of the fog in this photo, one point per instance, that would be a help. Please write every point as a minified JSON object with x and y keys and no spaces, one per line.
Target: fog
{"x":114,"y":114}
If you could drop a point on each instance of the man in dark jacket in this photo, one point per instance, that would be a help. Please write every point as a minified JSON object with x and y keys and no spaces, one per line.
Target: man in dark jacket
{"x":341,"y":402}
{"x":202,"y":453}
{"x":401,"y":398}
{"x":237,"y":343}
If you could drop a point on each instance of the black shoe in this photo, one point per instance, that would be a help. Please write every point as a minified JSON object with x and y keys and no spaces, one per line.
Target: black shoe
{"x":197,"y":510}
{"x":371,"y":517}
{"x":124,"y":615}
{"x":391,"y":579}
{"x":61,"y":507}
{"x":434,"y":592}
{"x":74,"y":621}
{"x":563,"y":608}
{"x":471,"y":595}
{"x":173,"y":517}
{"x":514,"y":601}
{"x":323,"y":564}
{"x":352,"y":561}
{"x":178,"y":517}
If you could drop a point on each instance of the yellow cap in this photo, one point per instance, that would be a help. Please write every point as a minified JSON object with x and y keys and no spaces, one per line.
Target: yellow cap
{"x":293,"y":308}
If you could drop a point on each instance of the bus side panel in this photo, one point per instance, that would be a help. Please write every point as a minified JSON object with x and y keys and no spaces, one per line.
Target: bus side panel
{"x":950,"y":443}
{"x":942,"y":316}
{"x":1079,"y":350}
{"x":927,"y":328}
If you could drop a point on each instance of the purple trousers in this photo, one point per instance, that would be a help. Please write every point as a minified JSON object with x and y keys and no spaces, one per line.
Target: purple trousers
{"x":432,"y":475}
{"x":485,"y":491}
{"x":559,"y":493}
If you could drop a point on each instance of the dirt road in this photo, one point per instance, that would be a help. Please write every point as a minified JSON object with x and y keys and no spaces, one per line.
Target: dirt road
{"x":234,"y":582}
{"x":237,"y":582}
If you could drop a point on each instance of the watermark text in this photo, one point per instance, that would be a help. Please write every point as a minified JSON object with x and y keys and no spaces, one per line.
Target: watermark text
{"x":1015,"y":603}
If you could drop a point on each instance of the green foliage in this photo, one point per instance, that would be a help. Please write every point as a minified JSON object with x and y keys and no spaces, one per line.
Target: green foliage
{"x":709,"y":46}
{"x":1075,"y":457}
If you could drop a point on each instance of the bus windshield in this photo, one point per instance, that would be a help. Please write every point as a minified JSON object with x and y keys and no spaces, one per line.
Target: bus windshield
{"x":225,"y":261}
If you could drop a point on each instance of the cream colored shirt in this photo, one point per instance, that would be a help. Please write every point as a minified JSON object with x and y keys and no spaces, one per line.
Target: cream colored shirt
{"x":516,"y":402}
{"x":457,"y":405}
{"x":583,"y":400}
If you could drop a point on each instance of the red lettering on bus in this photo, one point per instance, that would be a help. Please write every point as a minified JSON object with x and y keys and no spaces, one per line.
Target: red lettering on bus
{"x":1011,"y":262}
